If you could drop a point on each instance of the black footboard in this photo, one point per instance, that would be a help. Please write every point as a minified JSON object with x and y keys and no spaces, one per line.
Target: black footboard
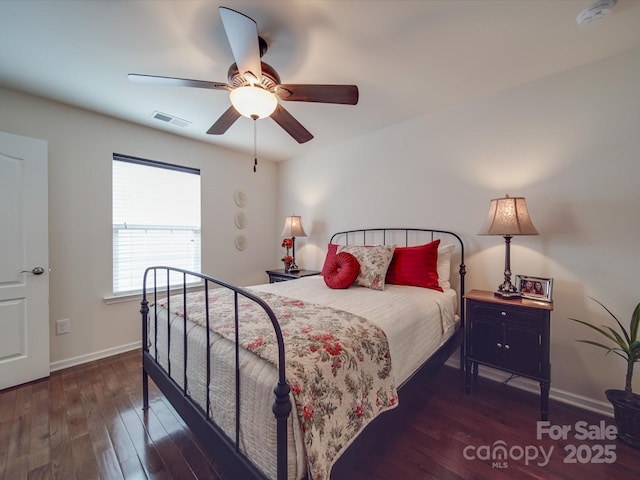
{"x":229,"y":457}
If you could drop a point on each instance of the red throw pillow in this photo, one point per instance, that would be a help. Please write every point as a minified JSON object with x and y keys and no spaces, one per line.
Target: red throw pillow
{"x":342,"y":271}
{"x":416,"y":266}
{"x":332,"y":249}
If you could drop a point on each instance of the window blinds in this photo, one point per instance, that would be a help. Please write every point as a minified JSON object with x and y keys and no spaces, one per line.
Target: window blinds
{"x":156,"y":220}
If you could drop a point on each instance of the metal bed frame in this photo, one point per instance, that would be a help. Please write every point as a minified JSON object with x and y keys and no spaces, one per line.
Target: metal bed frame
{"x":226,"y":451}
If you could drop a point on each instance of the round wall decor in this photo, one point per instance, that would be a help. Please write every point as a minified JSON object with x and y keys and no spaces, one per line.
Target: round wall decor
{"x":240,"y":197}
{"x":240,"y":220}
{"x":241,"y":241}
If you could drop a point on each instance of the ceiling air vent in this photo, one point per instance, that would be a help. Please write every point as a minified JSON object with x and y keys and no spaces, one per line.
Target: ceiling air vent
{"x":163,"y":117}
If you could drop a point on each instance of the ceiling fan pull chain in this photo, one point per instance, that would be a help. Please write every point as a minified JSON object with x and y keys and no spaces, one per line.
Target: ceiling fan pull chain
{"x":255,"y":142}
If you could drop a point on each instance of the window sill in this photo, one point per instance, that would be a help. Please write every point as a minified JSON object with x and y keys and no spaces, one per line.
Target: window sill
{"x":137,"y":296}
{"x":130,"y":297}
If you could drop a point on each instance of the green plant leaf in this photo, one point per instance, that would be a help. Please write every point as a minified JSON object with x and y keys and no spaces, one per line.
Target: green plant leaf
{"x":624,"y":330}
{"x":618,"y":339}
{"x":596,"y":344}
{"x":627,"y":341}
{"x":635,"y":321}
{"x":597,"y":329}
{"x":618,"y":351}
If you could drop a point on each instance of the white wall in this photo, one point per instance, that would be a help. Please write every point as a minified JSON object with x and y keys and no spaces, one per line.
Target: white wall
{"x":81,"y":145}
{"x":570,"y":144}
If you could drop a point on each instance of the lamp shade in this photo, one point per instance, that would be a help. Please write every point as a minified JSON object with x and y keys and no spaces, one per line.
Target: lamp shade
{"x":293,"y":227}
{"x":251,"y":101}
{"x":508,"y":216}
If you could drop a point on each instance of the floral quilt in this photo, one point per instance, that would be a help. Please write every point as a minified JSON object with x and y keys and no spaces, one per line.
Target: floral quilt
{"x":338,"y":364}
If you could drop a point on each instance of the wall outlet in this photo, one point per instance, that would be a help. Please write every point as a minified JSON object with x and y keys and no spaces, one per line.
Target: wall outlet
{"x":63,"y":326}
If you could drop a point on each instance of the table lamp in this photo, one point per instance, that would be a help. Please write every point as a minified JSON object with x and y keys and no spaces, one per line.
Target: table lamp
{"x":293,"y":228}
{"x":508,"y":216}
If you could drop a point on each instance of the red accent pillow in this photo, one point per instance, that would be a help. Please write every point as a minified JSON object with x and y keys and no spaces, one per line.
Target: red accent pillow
{"x":342,"y":271}
{"x":332,"y":249}
{"x":416,"y":266}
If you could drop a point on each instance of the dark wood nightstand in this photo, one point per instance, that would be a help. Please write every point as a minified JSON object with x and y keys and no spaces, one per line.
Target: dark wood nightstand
{"x":510,"y":335}
{"x":279,"y":275}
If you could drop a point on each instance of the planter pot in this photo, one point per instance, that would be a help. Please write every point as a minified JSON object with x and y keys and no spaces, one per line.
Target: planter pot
{"x":627,"y":417}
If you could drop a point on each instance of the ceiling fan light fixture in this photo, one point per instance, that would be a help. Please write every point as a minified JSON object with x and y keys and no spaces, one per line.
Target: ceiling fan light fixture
{"x":251,"y":101}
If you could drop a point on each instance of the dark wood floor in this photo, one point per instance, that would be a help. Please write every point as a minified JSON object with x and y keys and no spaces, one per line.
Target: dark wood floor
{"x":86,"y":422}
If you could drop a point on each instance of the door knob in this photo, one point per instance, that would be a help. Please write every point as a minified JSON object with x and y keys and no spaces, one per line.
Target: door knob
{"x":35,"y":271}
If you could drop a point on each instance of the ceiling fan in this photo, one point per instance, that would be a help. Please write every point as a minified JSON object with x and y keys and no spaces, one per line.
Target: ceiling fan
{"x":254,"y":86}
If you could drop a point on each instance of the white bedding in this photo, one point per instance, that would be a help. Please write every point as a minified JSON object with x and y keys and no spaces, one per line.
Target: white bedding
{"x":410,"y":316}
{"x":417,"y":321}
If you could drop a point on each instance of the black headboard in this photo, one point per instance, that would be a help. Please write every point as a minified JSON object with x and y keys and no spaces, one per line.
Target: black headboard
{"x":407,"y":237}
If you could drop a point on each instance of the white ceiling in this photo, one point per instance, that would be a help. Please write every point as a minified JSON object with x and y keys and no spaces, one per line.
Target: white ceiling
{"x":408,"y":58}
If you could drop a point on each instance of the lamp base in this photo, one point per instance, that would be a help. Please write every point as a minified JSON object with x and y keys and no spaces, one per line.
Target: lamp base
{"x":507,"y":290}
{"x":293,"y":268}
{"x":507,"y":295}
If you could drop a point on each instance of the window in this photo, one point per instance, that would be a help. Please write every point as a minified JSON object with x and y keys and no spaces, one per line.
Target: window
{"x":156,"y":220}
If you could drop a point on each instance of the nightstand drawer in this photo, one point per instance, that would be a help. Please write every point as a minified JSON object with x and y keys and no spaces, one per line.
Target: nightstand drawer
{"x":501,"y":312}
{"x":277,"y":278}
{"x":280,"y":275}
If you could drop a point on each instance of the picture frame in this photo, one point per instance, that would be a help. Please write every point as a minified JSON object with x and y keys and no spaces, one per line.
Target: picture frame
{"x":535,"y":288}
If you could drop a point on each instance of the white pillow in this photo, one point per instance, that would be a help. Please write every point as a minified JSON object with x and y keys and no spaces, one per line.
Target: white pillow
{"x":374,"y":262}
{"x":444,"y":265}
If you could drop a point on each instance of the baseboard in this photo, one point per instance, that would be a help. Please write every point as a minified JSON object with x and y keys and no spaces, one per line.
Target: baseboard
{"x":578,"y":401}
{"x":90,"y":357}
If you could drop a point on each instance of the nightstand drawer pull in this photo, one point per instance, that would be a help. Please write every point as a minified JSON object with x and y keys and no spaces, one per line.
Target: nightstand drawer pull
{"x":499,"y":345}
{"x":507,"y":347}
{"x":503,"y":313}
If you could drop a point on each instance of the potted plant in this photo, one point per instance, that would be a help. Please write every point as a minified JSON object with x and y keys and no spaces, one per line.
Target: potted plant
{"x":625,"y":344}
{"x":287,"y":243}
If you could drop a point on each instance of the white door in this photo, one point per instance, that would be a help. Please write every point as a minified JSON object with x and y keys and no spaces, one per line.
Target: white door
{"x":24,"y":260}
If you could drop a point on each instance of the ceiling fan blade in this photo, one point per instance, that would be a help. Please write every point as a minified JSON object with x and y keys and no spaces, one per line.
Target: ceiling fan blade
{"x":242,"y":33}
{"x":224,"y":122}
{"x":292,"y":126}
{"x":177,"y":82}
{"x":343,"y":94}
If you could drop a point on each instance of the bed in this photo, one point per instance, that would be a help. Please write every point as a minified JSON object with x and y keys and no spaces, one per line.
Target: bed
{"x":277,"y":380}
